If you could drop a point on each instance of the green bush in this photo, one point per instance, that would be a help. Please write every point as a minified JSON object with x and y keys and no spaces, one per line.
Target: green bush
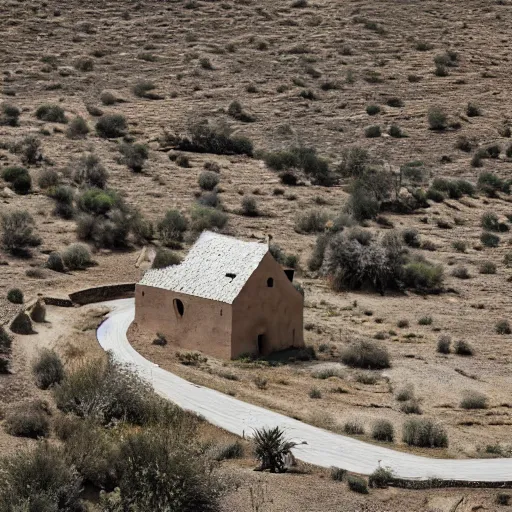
{"x":30,"y":150}
{"x":423,"y":276}
{"x":77,"y":257}
{"x":78,"y":128}
{"x":28,"y":420}
{"x":39,"y":480}
{"x":89,"y":171}
{"x":250,"y":207}
{"x":15,"y":295}
{"x":134,"y":155}
{"x":461,"y":272}
{"x":354,"y":162}
{"x":487,"y":267}
{"x":210,"y":199}
{"x":311,"y":221}
{"x":443,"y":344}
{"x":237,"y":112}
{"x":48,"y":369}
{"x":367,"y":355}
{"x":227,"y":451}
{"x":9,"y":115}
{"x":55,"y":262}
{"x":490,"y":184}
{"x":411,"y":407}
{"x":315,"y":393}
{"x":489,"y":239}
{"x":98,"y":201}
{"x":357,"y":484}
{"x":473,"y":110}
{"x":172,"y":227}
{"x":11,"y":174}
{"x":270,"y":448}
{"x":503,"y":327}
{"x":396,"y":132}
{"x":382,"y":430}
{"x":353,"y":427}
{"x":474,"y":400}
{"x":18,"y":232}
{"x":142,"y":88}
{"x":51,"y":114}
{"x":372,"y":110}
{"x":165,"y":258}
{"x":437,"y":119}
{"x":108,"y":98}
{"x":203,"y":218}
{"x":380,"y":478}
{"x":338,"y":474}
{"x":48,"y":178}
{"x":394,"y":102}
{"x":372,"y":132}
{"x":490,"y":221}
{"x":22,"y":185}
{"x":361,"y":205}
{"x":111,"y":126}
{"x":503,"y":498}
{"x":63,"y":196}
{"x":463,"y":348}
{"x":208,"y":180}
{"x":424,"y":433}
{"x":411,"y":237}
{"x":435,"y":195}
{"x":460,"y":245}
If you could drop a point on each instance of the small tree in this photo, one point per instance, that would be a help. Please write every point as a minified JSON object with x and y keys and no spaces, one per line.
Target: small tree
{"x":270,"y":448}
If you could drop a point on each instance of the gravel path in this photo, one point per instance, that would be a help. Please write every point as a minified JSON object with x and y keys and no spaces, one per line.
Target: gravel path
{"x":321,"y":448}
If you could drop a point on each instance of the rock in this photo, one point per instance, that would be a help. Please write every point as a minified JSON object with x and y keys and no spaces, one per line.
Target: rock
{"x":7,"y":193}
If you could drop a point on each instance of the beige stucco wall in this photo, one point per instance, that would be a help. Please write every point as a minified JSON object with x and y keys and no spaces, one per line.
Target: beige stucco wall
{"x":202,"y":327}
{"x":275,"y":312}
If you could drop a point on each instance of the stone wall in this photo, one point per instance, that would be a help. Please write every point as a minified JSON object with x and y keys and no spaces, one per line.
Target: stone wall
{"x":101,"y":293}
{"x":435,"y":483}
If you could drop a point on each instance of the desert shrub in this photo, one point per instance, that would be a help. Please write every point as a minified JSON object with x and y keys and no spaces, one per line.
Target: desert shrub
{"x":63,"y":196}
{"x":424,"y":433}
{"x":503,"y":327}
{"x":461,"y":272}
{"x":18,"y":231}
{"x":210,"y":199}
{"x":490,"y":184}
{"x":489,"y":239}
{"x":48,"y":178}
{"x":77,"y":257}
{"x":270,"y":448}
{"x":317,"y":257}
{"x":474,"y":400}
{"x":250,"y":207}
{"x":353,"y":427}
{"x":443,"y":344}
{"x":134,"y":155}
{"x":460,"y":245}
{"x":78,"y":128}
{"x":396,"y":132}
{"x":38,"y":311}
{"x":165,"y":258}
{"x":411,"y":407}
{"x":372,"y":110}
{"x":111,"y":126}
{"x":11,"y":174}
{"x":493,"y":151}
{"x":203,"y":218}
{"x":464,"y":144}
{"x":365,"y":354}
{"x":51,"y":114}
{"x":55,"y":262}
{"x":228,"y":451}
{"x":84,"y":64}
{"x":22,"y":185}
{"x":158,"y":473}
{"x":28,"y":420}
{"x":411,"y":237}
{"x":338,"y":474}
{"x":88,"y":170}
{"x":47,"y":369}
{"x":452,"y":188}
{"x":437,"y":119}
{"x":435,"y":195}
{"x":487,"y":267}
{"x":5,"y":341}
{"x":394,"y":102}
{"x":503,"y":498}
{"x":39,"y":480}
{"x":425,"y":320}
{"x":423,"y":275}
{"x":373,"y":131}
{"x":473,"y":110}
{"x":206,"y":138}
{"x":311,"y":221}
{"x":172,"y":227}
{"x":354,"y":162}
{"x":15,"y":295}
{"x":405,"y":393}
{"x":97,"y":201}
{"x":9,"y":115}
{"x":463,"y":348}
{"x":108,"y":98}
{"x":507,"y":259}
{"x":361,"y":205}
{"x":315,"y":393}
{"x":382,"y":430}
{"x":29,"y":148}
{"x":237,"y":112}
{"x":357,"y":484}
{"x":142,"y":88}
{"x":490,"y":221}
{"x":208,"y":180}
{"x":380,"y":478}
{"x":22,"y":324}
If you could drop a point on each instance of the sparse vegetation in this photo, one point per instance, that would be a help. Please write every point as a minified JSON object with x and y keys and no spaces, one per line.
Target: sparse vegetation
{"x":382,"y":430}
{"x":77,"y":257}
{"x":367,"y":355}
{"x":463,"y":348}
{"x":48,"y":369}
{"x":424,"y":433}
{"x":503,"y":327}
{"x":443,"y":344}
{"x":30,"y":419}
{"x":111,"y":126}
{"x":51,"y":114}
{"x":474,"y":400}
{"x":18,"y":232}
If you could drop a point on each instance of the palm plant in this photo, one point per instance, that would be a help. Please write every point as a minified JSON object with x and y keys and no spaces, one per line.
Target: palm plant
{"x":271,"y":449}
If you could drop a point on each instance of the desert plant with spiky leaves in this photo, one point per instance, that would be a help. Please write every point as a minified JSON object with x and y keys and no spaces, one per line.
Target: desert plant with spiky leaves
{"x":270,"y":448}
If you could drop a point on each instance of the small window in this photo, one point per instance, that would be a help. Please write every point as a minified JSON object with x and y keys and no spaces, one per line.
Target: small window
{"x":270,"y":282}
{"x":221,"y":312}
{"x":143,"y":294}
{"x":178,"y":305}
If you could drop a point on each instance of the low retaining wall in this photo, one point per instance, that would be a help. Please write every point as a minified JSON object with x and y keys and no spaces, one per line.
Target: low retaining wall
{"x":101,"y":293}
{"x":58,"y":301}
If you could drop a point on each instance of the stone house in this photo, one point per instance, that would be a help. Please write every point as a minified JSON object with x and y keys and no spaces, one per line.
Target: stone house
{"x":227,"y":298}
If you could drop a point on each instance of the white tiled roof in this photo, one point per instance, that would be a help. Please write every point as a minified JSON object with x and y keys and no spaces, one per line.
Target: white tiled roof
{"x":204,"y":271}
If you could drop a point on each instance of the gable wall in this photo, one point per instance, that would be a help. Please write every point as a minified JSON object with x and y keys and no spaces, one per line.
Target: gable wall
{"x":200,"y":328}
{"x":274,"y":312}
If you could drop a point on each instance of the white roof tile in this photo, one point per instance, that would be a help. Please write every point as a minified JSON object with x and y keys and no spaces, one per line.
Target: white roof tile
{"x":204,"y":272}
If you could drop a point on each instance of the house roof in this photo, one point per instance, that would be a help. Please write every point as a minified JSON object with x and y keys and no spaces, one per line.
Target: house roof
{"x":216,"y":267}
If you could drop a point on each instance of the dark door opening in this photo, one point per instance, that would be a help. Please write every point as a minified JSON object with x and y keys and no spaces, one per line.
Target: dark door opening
{"x":261,"y":343}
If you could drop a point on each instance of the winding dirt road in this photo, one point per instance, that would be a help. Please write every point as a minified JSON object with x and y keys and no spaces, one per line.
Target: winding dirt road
{"x":321,"y":447}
